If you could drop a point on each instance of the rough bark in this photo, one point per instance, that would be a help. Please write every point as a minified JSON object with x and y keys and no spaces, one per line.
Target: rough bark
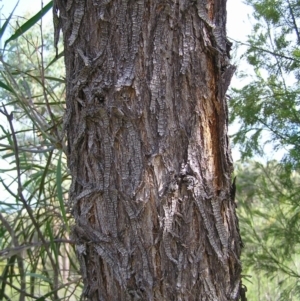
{"x":146,"y":123}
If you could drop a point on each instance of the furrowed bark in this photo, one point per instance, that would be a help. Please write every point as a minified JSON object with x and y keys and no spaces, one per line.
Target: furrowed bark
{"x":146,"y":122}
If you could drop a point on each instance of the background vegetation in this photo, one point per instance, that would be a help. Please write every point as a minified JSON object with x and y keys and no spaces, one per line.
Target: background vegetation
{"x":267,"y":111}
{"x":37,"y":255}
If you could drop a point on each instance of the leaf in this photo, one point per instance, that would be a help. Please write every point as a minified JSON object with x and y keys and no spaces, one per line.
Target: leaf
{"x":56,"y":79}
{"x":55,"y":59}
{"x":43,"y":298}
{"x":7,"y":135}
{"x":43,"y":177}
{"x":39,"y":276}
{"x":8,"y":155}
{"x":6,"y":204}
{"x":27,"y":25}
{"x":5,"y":275}
{"x":2,"y":30}
{"x":4,"y":86}
{"x":52,"y":243}
{"x":59,"y":188}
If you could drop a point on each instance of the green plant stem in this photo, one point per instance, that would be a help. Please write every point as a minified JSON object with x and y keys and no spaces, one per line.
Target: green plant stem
{"x":22,"y":198}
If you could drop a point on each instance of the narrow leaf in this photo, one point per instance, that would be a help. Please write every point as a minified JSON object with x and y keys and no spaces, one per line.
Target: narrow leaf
{"x":5,"y":275}
{"x":43,"y":177}
{"x":55,"y":59}
{"x":27,"y":25}
{"x":39,"y":276}
{"x":52,"y":243}
{"x":4,"y":86}
{"x":2,"y":29}
{"x":59,"y":188}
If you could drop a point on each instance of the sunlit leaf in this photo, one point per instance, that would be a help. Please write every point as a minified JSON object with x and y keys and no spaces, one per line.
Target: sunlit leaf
{"x":31,"y":22}
{"x":3,"y":28}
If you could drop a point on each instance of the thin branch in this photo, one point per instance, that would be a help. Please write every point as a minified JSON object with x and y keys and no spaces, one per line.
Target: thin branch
{"x":276,"y":133}
{"x":277,"y":59}
{"x":20,"y":193}
{"x":267,"y":51}
{"x":8,"y":189}
{"x":26,"y":105}
{"x":15,"y":241}
{"x":42,"y":72}
{"x":17,"y":289}
{"x":8,"y":252}
{"x":29,"y":150}
{"x":10,"y":230}
{"x":294,"y":21}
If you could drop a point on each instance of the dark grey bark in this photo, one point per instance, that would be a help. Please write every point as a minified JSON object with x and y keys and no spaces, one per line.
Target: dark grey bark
{"x":146,"y":123}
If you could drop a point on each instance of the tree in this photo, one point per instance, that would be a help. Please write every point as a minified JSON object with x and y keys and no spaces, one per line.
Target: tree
{"x":269,"y":104}
{"x":267,"y":109}
{"x":268,"y":205}
{"x":147,"y":148}
{"x":37,"y":260}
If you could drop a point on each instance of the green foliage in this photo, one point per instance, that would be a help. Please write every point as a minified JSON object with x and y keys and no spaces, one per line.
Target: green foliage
{"x":269,"y":214}
{"x":267,"y":110}
{"x":37,"y":260}
{"x":268,"y":106}
{"x":27,"y":25}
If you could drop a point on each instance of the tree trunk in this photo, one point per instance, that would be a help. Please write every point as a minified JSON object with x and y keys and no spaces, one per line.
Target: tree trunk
{"x":148,"y":151}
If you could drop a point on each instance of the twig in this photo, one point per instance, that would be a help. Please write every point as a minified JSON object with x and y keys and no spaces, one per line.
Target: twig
{"x":267,"y":51}
{"x":19,"y":258}
{"x":42,"y":72}
{"x":8,"y":252}
{"x":294,"y":21}
{"x":30,"y":150}
{"x":20,"y":193}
